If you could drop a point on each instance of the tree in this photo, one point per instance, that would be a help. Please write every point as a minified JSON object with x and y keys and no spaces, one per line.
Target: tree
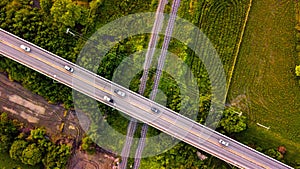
{"x":274,"y":154}
{"x":57,"y":156}
{"x":297,"y":27}
{"x":37,"y":134}
{"x":87,"y":145}
{"x":68,"y":14}
{"x":46,"y":5}
{"x":232,"y":122}
{"x":5,"y":143}
{"x":8,"y":131}
{"x":298,"y":48}
{"x":94,"y":7}
{"x":297,"y":69}
{"x":17,"y":148}
{"x":6,"y":126}
{"x":179,"y":157}
{"x":31,"y":155}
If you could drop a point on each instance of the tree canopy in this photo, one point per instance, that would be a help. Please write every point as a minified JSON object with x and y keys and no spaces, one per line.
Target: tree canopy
{"x":232,"y":122}
{"x":68,"y":14}
{"x":7,"y":132}
{"x":17,"y":149}
{"x":31,"y":155}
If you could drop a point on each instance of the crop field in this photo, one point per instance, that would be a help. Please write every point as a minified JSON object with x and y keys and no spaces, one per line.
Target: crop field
{"x":221,"y":21}
{"x":264,"y":83}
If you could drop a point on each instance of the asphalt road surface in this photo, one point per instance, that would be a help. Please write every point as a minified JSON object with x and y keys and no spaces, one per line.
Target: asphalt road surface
{"x":135,"y":105}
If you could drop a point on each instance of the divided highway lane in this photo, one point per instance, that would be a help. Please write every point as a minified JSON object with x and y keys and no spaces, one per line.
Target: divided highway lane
{"x":50,"y":64}
{"x":206,"y":141}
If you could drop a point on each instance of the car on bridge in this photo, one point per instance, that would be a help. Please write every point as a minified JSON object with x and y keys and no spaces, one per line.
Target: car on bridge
{"x":120,"y":93}
{"x":155,"y":110}
{"x":224,"y":143}
{"x":68,"y":68}
{"x":25,"y":48}
{"x":108,"y":99}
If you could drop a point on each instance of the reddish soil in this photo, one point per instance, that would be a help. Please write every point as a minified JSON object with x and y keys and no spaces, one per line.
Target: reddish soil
{"x":98,"y":160}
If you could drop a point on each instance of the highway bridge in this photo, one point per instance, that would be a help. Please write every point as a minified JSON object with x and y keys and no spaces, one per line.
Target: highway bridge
{"x":135,"y":105}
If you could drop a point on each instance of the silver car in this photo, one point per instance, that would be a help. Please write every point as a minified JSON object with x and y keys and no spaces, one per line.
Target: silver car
{"x":120,"y":93}
{"x":25,"y":48}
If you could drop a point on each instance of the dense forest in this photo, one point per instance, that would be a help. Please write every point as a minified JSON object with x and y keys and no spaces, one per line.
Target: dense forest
{"x":45,"y":24}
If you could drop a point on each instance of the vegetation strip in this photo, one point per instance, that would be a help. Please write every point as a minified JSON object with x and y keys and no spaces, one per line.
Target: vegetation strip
{"x":238,"y":49}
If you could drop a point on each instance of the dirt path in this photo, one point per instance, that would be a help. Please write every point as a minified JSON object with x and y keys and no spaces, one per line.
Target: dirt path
{"x":82,"y":160}
{"x":29,"y":108}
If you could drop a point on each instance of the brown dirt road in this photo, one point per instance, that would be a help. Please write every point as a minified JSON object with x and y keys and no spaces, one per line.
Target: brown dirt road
{"x":29,"y":108}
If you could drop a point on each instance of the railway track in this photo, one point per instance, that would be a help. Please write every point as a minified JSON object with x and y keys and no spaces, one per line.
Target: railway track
{"x":149,"y":55}
{"x":160,"y":65}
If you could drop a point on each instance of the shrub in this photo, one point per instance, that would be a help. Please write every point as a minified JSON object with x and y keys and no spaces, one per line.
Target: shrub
{"x":297,"y":69}
{"x":298,"y":48}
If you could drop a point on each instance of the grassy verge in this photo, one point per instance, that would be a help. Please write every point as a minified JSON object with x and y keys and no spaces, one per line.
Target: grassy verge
{"x":263,"y":83}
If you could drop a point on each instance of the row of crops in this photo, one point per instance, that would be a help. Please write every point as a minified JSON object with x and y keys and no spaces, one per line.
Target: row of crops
{"x":222,"y":22}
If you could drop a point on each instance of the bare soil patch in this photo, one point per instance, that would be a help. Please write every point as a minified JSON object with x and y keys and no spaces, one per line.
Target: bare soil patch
{"x":98,"y":160}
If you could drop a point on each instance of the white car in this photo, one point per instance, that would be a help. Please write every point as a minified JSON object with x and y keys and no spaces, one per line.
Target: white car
{"x":25,"y":48}
{"x":68,"y":68}
{"x":120,"y":93}
{"x":224,"y":143}
{"x":108,"y":99}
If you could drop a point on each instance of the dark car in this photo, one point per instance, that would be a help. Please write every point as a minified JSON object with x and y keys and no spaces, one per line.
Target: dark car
{"x":155,"y":110}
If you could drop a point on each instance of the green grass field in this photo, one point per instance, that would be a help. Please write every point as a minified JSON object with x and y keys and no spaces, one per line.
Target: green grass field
{"x":7,"y":163}
{"x":264,"y":83}
{"x":221,"y":21}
